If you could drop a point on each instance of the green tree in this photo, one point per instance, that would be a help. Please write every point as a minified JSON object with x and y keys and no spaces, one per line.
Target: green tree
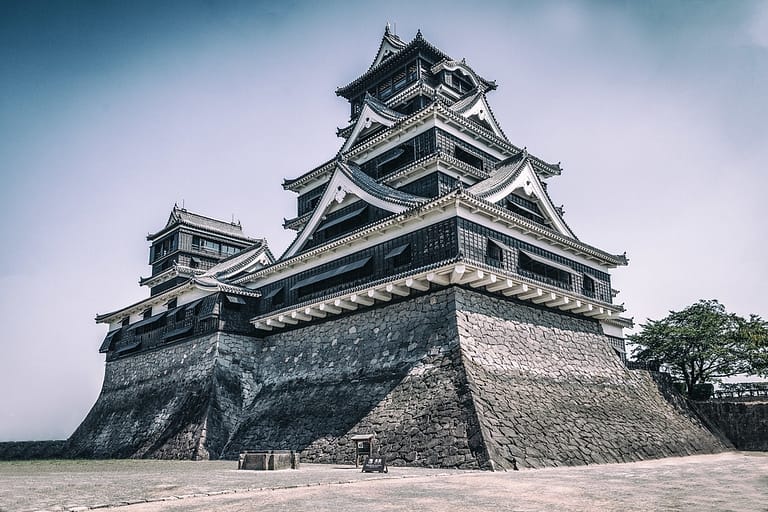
{"x":703,"y":343}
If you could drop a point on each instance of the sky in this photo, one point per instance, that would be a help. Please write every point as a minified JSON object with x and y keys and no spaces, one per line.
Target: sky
{"x":111,"y":112}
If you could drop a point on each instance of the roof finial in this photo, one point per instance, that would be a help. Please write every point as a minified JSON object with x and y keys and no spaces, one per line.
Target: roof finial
{"x":418,"y":34}
{"x":386,"y":29}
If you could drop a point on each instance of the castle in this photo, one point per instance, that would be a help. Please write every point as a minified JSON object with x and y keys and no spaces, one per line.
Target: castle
{"x":433,"y":296}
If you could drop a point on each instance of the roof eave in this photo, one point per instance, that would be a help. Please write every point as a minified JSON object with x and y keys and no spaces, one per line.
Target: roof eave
{"x":350,"y":90}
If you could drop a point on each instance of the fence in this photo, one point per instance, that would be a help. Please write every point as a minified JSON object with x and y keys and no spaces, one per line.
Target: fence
{"x":742,"y":390}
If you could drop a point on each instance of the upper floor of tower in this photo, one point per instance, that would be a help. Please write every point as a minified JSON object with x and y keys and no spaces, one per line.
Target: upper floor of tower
{"x":406,"y":76}
{"x":190,"y":244}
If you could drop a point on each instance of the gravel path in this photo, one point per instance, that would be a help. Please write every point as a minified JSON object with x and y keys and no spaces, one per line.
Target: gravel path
{"x":736,"y":481}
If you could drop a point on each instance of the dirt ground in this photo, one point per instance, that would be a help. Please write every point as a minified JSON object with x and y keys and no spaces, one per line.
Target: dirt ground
{"x":734,"y":481}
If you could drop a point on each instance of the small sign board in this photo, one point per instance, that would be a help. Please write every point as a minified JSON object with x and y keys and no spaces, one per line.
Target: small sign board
{"x":364,"y":447}
{"x":374,"y":464}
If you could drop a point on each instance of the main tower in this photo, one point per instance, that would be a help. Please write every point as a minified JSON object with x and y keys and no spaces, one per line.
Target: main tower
{"x":426,"y":192}
{"x":433,"y":296}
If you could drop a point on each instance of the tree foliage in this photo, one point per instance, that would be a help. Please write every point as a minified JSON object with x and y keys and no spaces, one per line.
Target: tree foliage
{"x":703,"y":343}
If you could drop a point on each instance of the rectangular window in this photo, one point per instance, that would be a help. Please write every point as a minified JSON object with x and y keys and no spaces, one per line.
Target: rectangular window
{"x":233,"y":302}
{"x":276,"y":296}
{"x":525,"y":208}
{"x":399,"y":80}
{"x":395,"y":159}
{"x":345,"y":223}
{"x":411,"y":72}
{"x":550,"y":271}
{"x":399,"y":256}
{"x":494,"y":253}
{"x":468,"y":158}
{"x":333,"y":277}
{"x":588,"y":286}
{"x":229,"y":250}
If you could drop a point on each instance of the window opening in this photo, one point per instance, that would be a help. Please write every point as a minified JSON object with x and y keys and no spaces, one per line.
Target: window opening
{"x":588,"y":286}
{"x":494,"y":253}
{"x":395,"y":159}
{"x":525,"y":208}
{"x":276,"y":296}
{"x":399,"y":256}
{"x":342,"y":274}
{"x":552,"y":272}
{"x":468,"y":158}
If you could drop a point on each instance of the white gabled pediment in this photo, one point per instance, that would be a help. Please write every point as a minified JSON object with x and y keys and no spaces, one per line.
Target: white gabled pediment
{"x":480,"y":112}
{"x":528,"y":185}
{"x":520,"y":178}
{"x":368,"y":120}
{"x":340,"y":187}
{"x":390,"y":45}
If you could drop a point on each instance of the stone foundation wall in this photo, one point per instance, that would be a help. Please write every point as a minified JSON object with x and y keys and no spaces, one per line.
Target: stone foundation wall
{"x":549,"y":391}
{"x":744,"y":423}
{"x":453,"y":378}
{"x":394,"y":371}
{"x":153,"y":404}
{"x":32,"y":450}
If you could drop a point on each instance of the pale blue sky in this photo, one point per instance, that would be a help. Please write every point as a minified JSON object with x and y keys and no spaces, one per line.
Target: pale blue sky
{"x":112,"y":111}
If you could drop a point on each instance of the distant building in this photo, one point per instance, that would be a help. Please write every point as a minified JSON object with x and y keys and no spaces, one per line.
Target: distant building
{"x":434,"y":295}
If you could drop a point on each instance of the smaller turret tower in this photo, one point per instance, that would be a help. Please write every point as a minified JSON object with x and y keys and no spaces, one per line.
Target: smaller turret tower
{"x":188,"y":245}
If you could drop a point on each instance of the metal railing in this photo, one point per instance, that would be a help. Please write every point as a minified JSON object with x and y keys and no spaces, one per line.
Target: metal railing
{"x":742,"y":390}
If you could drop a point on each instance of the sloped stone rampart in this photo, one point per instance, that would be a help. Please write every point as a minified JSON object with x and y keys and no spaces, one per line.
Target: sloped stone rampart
{"x":549,"y":391}
{"x":453,"y":378}
{"x":394,"y":371}
{"x":152,"y":405}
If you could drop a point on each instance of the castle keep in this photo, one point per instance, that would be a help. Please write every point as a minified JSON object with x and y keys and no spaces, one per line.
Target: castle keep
{"x":434,"y":296}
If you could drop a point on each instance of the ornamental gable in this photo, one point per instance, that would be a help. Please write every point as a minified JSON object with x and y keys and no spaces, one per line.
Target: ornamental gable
{"x":516,"y":187}
{"x":389,"y":46}
{"x":351,"y":200}
{"x":475,"y":108}
{"x":373,"y":117}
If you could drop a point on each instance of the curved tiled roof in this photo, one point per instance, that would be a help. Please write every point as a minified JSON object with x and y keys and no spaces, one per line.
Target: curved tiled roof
{"x":390,"y":38}
{"x":448,"y":63}
{"x":317,"y":171}
{"x":240,"y":260}
{"x":416,"y":43}
{"x":185,"y":217}
{"x":381,"y":108}
{"x":376,"y":189}
{"x":506,"y":170}
{"x":377,"y":106}
{"x":540,"y":165}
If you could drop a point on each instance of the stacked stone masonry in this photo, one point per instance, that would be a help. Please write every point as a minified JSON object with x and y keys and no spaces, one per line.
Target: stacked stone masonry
{"x":744,"y":423}
{"x":452,"y":378}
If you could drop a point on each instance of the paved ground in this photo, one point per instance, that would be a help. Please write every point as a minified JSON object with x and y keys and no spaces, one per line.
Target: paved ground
{"x":735,"y":481}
